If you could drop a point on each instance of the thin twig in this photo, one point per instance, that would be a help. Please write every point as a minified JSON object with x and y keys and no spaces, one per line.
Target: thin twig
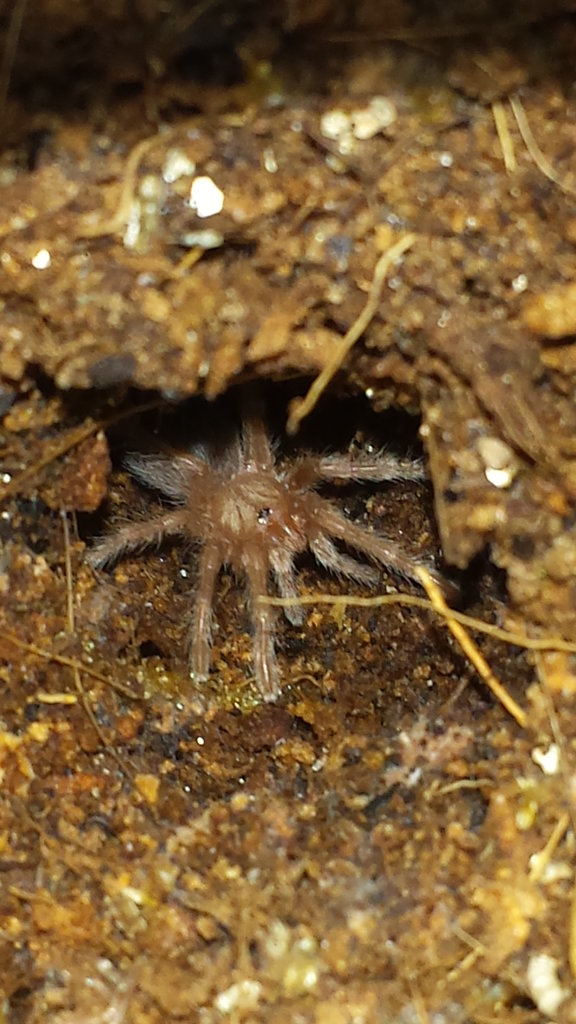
{"x":62,"y":659}
{"x":540,"y":861}
{"x":453,"y":787}
{"x":72,"y":439}
{"x":432,"y":31}
{"x":72,"y":627}
{"x":118,"y":220}
{"x":455,"y":622}
{"x":10,"y":49}
{"x":504,"y":136}
{"x":553,"y":643}
{"x":572,"y":935}
{"x":541,"y":161}
{"x":302,"y":407}
{"x":470,"y":650}
{"x":72,"y":631}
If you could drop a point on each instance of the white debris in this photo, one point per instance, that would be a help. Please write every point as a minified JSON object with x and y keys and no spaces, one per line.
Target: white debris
{"x":371,"y":120}
{"x":543,"y":984}
{"x":348,"y":127}
{"x":500,"y":463}
{"x":177,"y":165}
{"x":205,"y":197}
{"x":547,"y":760}
{"x":41,"y":260}
{"x":208,"y":239}
{"x":244,"y":995}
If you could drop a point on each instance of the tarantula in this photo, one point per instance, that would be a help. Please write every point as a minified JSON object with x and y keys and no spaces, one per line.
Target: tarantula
{"x":247,"y":511}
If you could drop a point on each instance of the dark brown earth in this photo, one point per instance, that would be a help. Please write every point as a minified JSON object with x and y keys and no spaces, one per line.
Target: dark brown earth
{"x":385,"y":843}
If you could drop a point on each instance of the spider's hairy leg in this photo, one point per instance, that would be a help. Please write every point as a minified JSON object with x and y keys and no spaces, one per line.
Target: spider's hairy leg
{"x":282,"y":564}
{"x":372,"y":467}
{"x":263,"y":617}
{"x":380,"y":549}
{"x":201,"y":628}
{"x":255,"y":439}
{"x":326,"y":552}
{"x":170,"y":476}
{"x":367,"y":467}
{"x":136,"y":537}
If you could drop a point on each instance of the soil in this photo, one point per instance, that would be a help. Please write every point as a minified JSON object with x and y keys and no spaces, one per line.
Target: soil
{"x":199,"y":195}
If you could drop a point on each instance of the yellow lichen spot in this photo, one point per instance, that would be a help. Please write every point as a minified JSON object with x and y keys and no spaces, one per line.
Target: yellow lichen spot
{"x":39,"y":732}
{"x":147,"y":786}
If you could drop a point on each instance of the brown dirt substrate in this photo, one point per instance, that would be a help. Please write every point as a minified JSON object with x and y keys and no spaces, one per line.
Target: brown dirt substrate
{"x":385,"y":843}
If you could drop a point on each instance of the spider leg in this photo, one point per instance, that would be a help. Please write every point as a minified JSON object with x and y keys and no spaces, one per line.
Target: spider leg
{"x":326,"y":552}
{"x":372,"y":467}
{"x":282,"y":564}
{"x":170,"y":476}
{"x":363,"y":467}
{"x":383,"y":550}
{"x":136,"y":537}
{"x":263,"y":616}
{"x":255,"y":442}
{"x":201,"y":629}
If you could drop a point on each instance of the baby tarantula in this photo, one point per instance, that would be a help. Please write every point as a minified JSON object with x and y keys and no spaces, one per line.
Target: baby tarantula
{"x":249,"y":512}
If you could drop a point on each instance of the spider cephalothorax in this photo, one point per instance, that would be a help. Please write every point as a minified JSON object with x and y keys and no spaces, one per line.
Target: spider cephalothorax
{"x":246,"y":510}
